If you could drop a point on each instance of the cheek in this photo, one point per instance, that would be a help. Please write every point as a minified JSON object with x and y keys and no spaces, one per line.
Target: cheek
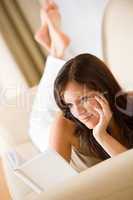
{"x":92,"y":104}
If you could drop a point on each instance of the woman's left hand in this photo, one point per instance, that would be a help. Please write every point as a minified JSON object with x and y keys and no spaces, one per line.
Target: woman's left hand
{"x":105,"y":114}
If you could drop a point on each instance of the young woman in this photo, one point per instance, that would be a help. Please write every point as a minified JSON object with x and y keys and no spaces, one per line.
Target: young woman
{"x":90,"y":127}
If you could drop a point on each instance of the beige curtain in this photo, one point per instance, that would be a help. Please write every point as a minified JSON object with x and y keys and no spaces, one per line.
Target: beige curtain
{"x":19,"y":37}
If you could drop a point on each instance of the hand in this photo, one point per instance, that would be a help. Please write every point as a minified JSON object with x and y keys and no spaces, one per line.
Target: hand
{"x":105,"y":114}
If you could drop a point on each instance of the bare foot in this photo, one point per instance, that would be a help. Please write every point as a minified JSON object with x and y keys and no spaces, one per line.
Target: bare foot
{"x":50,"y":35}
{"x":59,"y":40}
{"x":42,"y":36}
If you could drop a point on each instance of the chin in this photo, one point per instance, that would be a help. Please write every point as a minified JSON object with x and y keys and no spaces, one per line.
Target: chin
{"x":92,"y":123}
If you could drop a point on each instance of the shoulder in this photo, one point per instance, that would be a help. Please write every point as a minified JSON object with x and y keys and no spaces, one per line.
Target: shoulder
{"x":65,"y":129}
{"x":61,"y":122}
{"x":64,"y":122}
{"x":62,"y":136}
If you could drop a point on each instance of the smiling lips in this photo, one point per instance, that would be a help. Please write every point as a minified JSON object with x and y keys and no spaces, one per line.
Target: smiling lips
{"x":87,"y":117}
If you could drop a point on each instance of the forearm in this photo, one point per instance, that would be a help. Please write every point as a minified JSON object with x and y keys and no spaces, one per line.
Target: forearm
{"x":110,"y":144}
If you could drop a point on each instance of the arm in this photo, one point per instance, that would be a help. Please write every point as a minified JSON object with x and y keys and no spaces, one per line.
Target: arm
{"x":110,"y":144}
{"x":62,"y":137}
{"x":59,"y":137}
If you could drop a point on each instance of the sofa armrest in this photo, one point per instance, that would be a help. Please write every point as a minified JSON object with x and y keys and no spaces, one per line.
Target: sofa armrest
{"x":111,"y":179}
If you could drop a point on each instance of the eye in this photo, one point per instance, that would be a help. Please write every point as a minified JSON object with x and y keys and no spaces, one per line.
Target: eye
{"x":85,"y":99}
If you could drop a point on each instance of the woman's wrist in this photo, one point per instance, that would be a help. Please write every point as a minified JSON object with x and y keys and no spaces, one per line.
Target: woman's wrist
{"x":100,"y":136}
{"x":110,"y":144}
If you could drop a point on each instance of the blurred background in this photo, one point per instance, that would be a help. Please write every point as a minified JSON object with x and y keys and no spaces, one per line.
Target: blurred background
{"x":21,"y":57}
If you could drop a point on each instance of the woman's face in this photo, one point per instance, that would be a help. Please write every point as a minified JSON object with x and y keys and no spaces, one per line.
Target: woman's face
{"x":82,"y":103}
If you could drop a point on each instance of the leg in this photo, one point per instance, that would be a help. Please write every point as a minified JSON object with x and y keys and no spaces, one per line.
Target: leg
{"x":50,"y":35}
{"x":42,"y":36}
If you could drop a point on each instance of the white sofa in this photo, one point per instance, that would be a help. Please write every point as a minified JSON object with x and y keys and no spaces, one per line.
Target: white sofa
{"x":111,"y":179}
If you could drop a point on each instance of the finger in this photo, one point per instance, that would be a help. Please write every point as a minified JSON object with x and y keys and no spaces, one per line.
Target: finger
{"x":104,"y":106}
{"x":100,"y":112}
{"x":103,"y":98}
{"x":106,"y":109}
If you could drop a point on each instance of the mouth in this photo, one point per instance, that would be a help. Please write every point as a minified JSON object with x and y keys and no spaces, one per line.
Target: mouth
{"x":88,"y":117}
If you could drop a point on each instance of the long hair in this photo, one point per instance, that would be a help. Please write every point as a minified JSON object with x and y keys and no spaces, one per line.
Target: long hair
{"x":88,"y":70}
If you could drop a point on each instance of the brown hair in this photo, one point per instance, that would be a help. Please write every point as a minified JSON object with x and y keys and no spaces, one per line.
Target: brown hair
{"x":89,"y":70}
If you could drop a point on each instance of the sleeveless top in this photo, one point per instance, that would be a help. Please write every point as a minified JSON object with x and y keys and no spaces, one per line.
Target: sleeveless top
{"x":82,"y":158}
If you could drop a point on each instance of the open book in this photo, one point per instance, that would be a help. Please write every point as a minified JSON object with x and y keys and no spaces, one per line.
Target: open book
{"x":45,"y":170}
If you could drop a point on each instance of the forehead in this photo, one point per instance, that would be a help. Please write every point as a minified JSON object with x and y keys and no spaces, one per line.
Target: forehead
{"x":74,"y":91}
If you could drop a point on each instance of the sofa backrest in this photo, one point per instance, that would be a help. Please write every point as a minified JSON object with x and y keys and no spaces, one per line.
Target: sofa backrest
{"x":118,"y":40}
